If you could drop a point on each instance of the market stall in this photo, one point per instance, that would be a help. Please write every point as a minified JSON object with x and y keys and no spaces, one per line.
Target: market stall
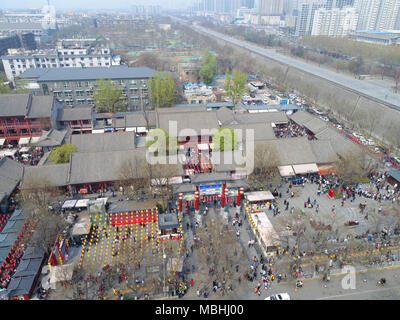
{"x":305,"y":168}
{"x":286,"y":171}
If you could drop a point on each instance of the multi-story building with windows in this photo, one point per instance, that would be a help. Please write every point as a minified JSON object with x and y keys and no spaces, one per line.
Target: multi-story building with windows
{"x":334,"y":22}
{"x":76,"y":86}
{"x":378,"y":14}
{"x":67,"y":54}
{"x":23,"y":117}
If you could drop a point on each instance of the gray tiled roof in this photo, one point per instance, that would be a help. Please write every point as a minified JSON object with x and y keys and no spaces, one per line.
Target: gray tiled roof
{"x":323,"y":151}
{"x":20,"y":286}
{"x":226,"y":116}
{"x":52,"y":138}
{"x":262,"y":131}
{"x":309,"y":121}
{"x":55,"y":175}
{"x":261,"y":117}
{"x":137,"y":119}
{"x":10,"y":175}
{"x":395,"y":174}
{"x":102,"y":167}
{"x":340,"y":144}
{"x":28,"y":267}
{"x":41,"y":107}
{"x":102,"y":142}
{"x":210,"y":177}
{"x":196,"y":120}
{"x":227,"y":161}
{"x":13,"y":104}
{"x":71,"y":114}
{"x":95,"y":73}
{"x":291,"y":151}
{"x":33,"y":73}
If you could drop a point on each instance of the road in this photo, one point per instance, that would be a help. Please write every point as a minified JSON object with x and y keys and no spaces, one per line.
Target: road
{"x":364,"y":87}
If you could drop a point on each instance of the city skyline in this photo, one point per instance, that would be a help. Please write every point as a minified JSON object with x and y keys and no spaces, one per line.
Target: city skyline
{"x":91,"y":4}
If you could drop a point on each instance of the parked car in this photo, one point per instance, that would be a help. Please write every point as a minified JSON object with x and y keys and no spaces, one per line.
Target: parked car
{"x":279,"y":296}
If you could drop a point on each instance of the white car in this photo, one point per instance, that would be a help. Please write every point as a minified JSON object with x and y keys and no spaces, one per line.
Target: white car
{"x":278,"y":296}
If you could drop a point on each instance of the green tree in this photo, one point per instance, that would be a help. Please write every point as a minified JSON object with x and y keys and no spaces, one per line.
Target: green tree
{"x":225,"y":139}
{"x":356,"y":66}
{"x":235,"y":86}
{"x":61,"y":154}
{"x":159,"y":142}
{"x":21,"y":86}
{"x":108,"y":97}
{"x":163,"y":91}
{"x":4,"y":86}
{"x":208,"y":67}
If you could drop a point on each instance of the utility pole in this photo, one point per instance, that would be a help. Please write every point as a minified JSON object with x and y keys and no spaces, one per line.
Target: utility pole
{"x":165,"y":290}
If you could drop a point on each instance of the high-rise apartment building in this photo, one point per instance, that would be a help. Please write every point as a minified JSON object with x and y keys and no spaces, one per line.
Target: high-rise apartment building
{"x":334,"y":22}
{"x":271,"y":7}
{"x":378,"y":14}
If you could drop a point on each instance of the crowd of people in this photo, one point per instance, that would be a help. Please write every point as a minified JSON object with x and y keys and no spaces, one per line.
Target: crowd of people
{"x":291,"y":130}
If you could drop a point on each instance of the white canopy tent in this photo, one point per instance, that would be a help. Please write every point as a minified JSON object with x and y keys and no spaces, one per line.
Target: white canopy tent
{"x":202,"y":146}
{"x":81,"y":203}
{"x":69,"y":204}
{"x":103,"y":199}
{"x":24,"y":149}
{"x":305,"y":168}
{"x":259,"y":196}
{"x":141,"y":129}
{"x":8,"y":153}
{"x":23,"y":141}
{"x":286,"y":171}
{"x":268,"y":234}
{"x":35,"y":139}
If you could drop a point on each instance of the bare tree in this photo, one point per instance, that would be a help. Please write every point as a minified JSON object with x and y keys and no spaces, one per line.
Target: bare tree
{"x":218,"y":253}
{"x":266,"y":161}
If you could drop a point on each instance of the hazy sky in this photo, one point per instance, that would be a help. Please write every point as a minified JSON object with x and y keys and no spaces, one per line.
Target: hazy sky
{"x":89,"y":4}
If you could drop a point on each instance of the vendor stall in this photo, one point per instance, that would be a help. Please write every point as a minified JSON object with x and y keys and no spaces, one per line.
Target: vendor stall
{"x":305,"y":168}
{"x":69,"y":204}
{"x":286,"y":171}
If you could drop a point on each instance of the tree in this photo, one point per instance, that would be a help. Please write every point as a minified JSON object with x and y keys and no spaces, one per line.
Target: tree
{"x":235,"y":86}
{"x":266,"y":161}
{"x":208,"y":67}
{"x":218,"y":254}
{"x":4,"y":85}
{"x":22,"y":86}
{"x":225,"y":139}
{"x":353,"y":166}
{"x":108,"y":97}
{"x":152,"y":61}
{"x":62,"y":153}
{"x":160,"y":143}
{"x":35,"y":199}
{"x":163,"y":90}
{"x":132,"y":179}
{"x":356,"y":66}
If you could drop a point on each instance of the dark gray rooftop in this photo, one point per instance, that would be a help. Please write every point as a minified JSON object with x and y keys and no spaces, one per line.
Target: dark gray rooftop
{"x":395,"y":174}
{"x":41,"y":107}
{"x":51,"y":138}
{"x":94,"y":73}
{"x":102,"y":142}
{"x":10,"y":175}
{"x":71,"y":114}
{"x":13,"y":104}
{"x":54,"y":175}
